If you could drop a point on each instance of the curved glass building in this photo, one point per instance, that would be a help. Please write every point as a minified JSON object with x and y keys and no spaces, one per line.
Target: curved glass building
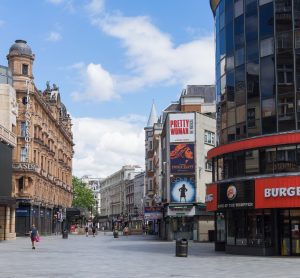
{"x":256,"y":188}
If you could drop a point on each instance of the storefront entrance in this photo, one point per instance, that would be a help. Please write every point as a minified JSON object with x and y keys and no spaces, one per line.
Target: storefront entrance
{"x":290,"y":232}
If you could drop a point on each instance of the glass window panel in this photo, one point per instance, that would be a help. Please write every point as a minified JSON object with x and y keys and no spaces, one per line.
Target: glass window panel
{"x":229,"y":10}
{"x":252,"y":162}
{"x":222,"y":66}
{"x":266,"y":21}
{"x":231,"y":133}
{"x":229,"y":63}
{"x":284,"y":41}
{"x":267,"y":77}
{"x":252,"y":51}
{"x":239,"y":57}
{"x":297,"y":39}
{"x":269,"y":125}
{"x":239,"y":32}
{"x":268,"y":107}
{"x":230,"y":89}
{"x":229,"y":38}
{"x":253,"y":79}
{"x":284,"y":16}
{"x":297,"y":19}
{"x":266,"y":47}
{"x":238,"y":7}
{"x":241,"y":114}
{"x":240,"y":89}
{"x":286,"y":160}
{"x":251,"y":25}
{"x":222,"y":20}
{"x":262,"y":2}
{"x":231,"y":228}
{"x":222,"y":43}
{"x":231,"y":117}
{"x":241,"y":131}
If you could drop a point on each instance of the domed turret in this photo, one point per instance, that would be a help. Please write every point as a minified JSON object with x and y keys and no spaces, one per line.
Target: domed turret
{"x":20,"y":47}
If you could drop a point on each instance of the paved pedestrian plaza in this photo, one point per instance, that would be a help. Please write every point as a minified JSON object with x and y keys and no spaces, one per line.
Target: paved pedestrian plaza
{"x":129,"y":257}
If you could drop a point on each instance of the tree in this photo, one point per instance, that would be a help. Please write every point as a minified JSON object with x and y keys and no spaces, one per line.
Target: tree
{"x":83,"y":196}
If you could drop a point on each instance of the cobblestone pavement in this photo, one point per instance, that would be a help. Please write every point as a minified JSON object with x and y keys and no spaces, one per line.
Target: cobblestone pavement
{"x":129,"y":257}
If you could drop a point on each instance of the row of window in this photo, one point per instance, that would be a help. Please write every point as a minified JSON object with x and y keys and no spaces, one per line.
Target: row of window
{"x":272,"y":160}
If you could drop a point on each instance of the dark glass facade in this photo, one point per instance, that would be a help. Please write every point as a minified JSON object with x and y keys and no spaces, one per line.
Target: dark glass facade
{"x":257,"y":67}
{"x":258,"y":97}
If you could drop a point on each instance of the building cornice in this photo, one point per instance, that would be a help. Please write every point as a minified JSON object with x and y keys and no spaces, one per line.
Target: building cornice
{"x":7,"y":136}
{"x":255,"y":143}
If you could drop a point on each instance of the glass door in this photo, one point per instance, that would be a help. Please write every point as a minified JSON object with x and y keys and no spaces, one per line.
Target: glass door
{"x":285,"y":233}
{"x":295,"y":232}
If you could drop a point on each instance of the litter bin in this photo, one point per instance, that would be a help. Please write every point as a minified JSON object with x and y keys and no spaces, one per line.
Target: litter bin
{"x":211,"y":235}
{"x":65,"y":234}
{"x":181,"y":248}
{"x":116,"y":234}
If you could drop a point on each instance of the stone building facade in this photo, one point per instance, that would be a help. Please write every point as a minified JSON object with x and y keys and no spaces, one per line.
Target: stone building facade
{"x":8,"y":140}
{"x":42,"y":159}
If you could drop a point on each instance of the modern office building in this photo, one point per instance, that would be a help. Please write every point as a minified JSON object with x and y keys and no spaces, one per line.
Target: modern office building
{"x":256,"y":181}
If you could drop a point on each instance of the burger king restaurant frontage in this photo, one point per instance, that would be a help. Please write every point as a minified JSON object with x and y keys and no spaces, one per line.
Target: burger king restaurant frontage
{"x":258,"y":216}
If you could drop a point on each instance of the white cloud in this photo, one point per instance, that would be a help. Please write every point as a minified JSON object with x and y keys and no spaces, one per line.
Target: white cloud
{"x":56,"y":2}
{"x":103,"y":146}
{"x":54,"y":36}
{"x":97,"y":84}
{"x":153,"y":58}
{"x":95,"y":7}
{"x":2,"y":22}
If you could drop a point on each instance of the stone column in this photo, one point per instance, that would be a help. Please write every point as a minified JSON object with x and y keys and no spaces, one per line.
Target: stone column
{"x":12,"y":223}
{"x":7,"y":223}
{"x":2,"y":223}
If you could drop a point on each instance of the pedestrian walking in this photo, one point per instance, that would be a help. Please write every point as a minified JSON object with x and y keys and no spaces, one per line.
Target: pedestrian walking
{"x":86,"y":231}
{"x":34,"y":234}
{"x":94,"y":230}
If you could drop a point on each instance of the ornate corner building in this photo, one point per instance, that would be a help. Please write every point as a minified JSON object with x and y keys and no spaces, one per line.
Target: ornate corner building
{"x":42,"y":158}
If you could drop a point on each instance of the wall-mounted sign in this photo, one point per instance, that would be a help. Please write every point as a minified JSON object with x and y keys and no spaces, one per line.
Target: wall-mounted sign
{"x":211,"y":197}
{"x":182,"y":127}
{"x":153,"y":213}
{"x":182,"y":158}
{"x":183,"y":189}
{"x":279,"y":192}
{"x":27,"y":122}
{"x":181,"y":210}
{"x":236,"y":195}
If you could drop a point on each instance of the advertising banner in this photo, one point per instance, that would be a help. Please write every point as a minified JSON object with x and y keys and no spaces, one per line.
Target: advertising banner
{"x":182,"y":158}
{"x":236,"y":195}
{"x":211,"y":197}
{"x":183,"y":189}
{"x":153,"y":213}
{"x":279,"y":192}
{"x":182,"y":127}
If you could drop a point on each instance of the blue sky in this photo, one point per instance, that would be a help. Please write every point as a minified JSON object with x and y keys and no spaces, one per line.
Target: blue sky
{"x":111,"y":59}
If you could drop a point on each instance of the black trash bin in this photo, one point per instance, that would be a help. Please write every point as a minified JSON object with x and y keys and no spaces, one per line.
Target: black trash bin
{"x":181,"y":248}
{"x":65,"y":234}
{"x":116,"y":234}
{"x":211,"y":235}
